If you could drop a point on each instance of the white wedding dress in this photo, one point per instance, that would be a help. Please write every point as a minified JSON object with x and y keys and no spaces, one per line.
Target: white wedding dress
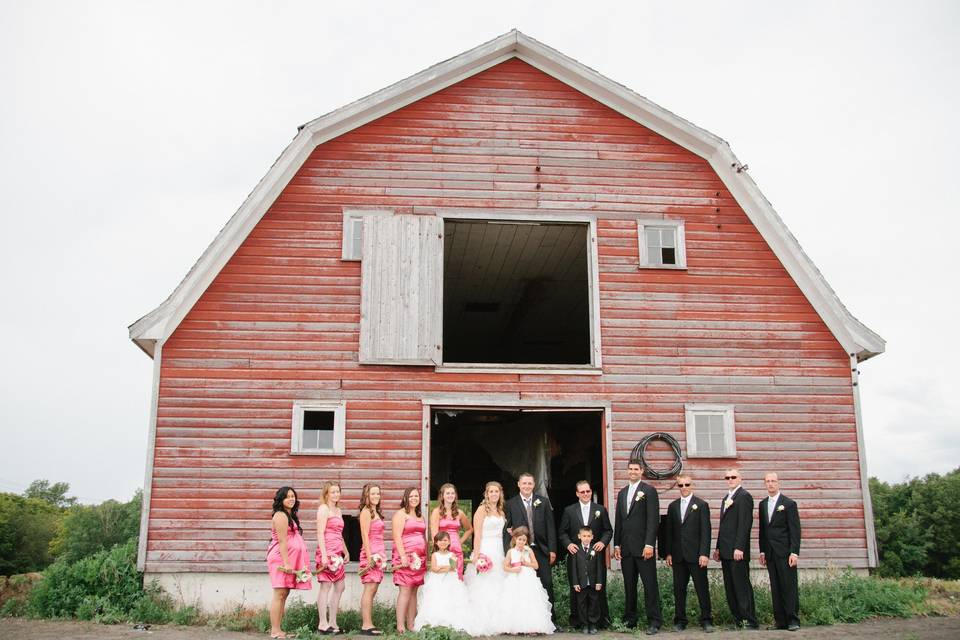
{"x":486,"y":589}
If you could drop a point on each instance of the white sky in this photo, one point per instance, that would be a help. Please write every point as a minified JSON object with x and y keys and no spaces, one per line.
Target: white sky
{"x":131,"y":131}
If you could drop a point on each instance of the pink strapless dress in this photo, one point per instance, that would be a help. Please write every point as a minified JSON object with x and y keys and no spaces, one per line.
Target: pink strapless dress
{"x":414,"y":542}
{"x":333,"y":540}
{"x":377,"y":546}
{"x":452,"y":527}
{"x":297,"y":556}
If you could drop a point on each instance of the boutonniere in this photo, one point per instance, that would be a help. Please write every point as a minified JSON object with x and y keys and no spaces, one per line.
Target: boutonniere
{"x":640,"y":496}
{"x":536,"y":502}
{"x":780,"y":508}
{"x":593,"y":552}
{"x":596,"y":514}
{"x":727,"y":503}
{"x":693,"y":506}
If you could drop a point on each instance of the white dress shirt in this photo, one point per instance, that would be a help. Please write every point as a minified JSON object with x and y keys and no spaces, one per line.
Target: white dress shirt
{"x":772,"y":505}
{"x":631,"y":492}
{"x":585,"y":512}
{"x":684,"y":504}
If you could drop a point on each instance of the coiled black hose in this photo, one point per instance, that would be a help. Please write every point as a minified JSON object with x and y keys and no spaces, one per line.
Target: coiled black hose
{"x":640,"y":453}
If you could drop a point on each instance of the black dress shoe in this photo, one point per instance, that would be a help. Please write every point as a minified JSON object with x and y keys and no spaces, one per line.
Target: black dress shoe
{"x":652,"y":630}
{"x":594,"y":630}
{"x":752,"y":627}
{"x":680,"y":626}
{"x":793,"y":627}
{"x":707,"y":627}
{"x":775,"y":627}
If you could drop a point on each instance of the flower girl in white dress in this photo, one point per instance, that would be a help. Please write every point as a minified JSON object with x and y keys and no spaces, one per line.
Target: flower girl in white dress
{"x":443,"y":598}
{"x":525,"y":607}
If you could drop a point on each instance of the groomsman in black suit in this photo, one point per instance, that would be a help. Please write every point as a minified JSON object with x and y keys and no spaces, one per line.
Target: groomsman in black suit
{"x":534,"y":512}
{"x":733,"y":550}
{"x":688,"y":552}
{"x":585,"y":513}
{"x":780,"y":552}
{"x":634,"y":537}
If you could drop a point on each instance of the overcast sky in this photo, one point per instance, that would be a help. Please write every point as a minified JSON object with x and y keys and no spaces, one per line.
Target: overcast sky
{"x":131,"y":131}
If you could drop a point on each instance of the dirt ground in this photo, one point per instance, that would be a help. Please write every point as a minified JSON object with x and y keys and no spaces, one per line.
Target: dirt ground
{"x":915,"y":628}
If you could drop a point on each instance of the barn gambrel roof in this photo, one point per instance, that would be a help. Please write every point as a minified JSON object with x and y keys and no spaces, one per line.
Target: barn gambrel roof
{"x":855,"y":337}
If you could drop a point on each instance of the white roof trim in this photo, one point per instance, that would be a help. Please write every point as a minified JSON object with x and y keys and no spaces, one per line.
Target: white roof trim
{"x":853,"y":335}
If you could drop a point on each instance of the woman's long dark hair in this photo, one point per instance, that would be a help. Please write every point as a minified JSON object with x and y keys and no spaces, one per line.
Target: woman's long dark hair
{"x":405,"y":502}
{"x":278,"y":499}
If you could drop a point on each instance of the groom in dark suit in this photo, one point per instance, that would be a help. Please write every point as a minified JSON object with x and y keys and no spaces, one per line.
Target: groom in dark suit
{"x":688,"y":552}
{"x":585,"y":513}
{"x":634,"y":538}
{"x":780,"y":552}
{"x":534,"y":512}
{"x":733,"y":550}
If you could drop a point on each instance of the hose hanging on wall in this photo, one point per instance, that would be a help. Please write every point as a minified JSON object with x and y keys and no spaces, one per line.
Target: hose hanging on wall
{"x":640,"y":453}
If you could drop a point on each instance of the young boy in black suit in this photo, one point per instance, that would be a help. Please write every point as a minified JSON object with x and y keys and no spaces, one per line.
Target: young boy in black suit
{"x":588,"y":573}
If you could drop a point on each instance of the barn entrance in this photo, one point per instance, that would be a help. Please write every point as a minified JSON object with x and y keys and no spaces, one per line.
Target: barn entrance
{"x":470,"y":447}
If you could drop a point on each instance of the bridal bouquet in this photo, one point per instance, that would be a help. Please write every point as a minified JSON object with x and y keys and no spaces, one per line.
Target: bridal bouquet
{"x":334,"y":563}
{"x":303,"y":575}
{"x":483,"y":563}
{"x":373,"y":562}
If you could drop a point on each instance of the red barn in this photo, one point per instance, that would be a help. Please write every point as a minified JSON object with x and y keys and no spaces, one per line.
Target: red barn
{"x":504,"y":262}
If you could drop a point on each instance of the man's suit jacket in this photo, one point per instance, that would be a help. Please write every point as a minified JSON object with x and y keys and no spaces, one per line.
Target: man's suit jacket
{"x":637,"y":522}
{"x":588,"y":568}
{"x":544,"y":528}
{"x":735,"y":524}
{"x":572,"y":520}
{"x":781,"y":535}
{"x":689,"y":538}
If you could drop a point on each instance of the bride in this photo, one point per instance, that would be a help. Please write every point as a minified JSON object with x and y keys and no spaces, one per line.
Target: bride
{"x":486,"y":588}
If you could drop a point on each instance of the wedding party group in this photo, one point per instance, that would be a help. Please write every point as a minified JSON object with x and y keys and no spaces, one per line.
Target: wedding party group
{"x":505,"y":585}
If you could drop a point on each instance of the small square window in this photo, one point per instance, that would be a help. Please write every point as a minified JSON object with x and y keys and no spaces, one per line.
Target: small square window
{"x":661,"y":244}
{"x":318,"y":429}
{"x":710,"y":431}
{"x":353,"y":231}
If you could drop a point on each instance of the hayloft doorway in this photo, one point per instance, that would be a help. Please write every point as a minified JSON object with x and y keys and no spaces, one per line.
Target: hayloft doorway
{"x":469,"y":447}
{"x":517,"y":292}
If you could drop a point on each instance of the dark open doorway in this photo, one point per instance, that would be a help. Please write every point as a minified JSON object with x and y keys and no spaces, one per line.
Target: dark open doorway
{"x":470,"y":447}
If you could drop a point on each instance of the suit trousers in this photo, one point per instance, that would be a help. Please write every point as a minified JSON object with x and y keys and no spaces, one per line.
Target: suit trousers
{"x":545,"y":572}
{"x":783,"y":588}
{"x":587,"y":603}
{"x":736,"y":583}
{"x":682,"y":572}
{"x":634,"y":567}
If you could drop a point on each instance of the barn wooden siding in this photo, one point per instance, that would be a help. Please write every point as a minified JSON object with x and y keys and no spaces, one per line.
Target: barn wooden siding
{"x":281,"y":323}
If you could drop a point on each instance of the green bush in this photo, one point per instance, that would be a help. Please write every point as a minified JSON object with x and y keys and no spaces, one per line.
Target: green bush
{"x":105,"y":587}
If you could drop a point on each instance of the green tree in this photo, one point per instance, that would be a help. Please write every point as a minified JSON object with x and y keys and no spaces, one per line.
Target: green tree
{"x":55,"y":494}
{"x":89,"y":529}
{"x":26,"y":528}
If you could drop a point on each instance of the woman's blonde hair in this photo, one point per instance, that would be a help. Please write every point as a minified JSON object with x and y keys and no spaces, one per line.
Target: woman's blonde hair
{"x":486,"y":488}
{"x":454,"y":508}
{"x":325,"y":491}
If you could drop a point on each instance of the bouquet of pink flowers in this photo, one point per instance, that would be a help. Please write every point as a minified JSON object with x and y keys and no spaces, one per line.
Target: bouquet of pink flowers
{"x":483,"y":563}
{"x":334,"y":563}
{"x":373,"y":562}
{"x":303,"y":575}
{"x":416,"y":562}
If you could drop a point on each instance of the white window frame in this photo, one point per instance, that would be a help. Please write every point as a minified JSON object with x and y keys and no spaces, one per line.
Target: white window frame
{"x":729,"y":429}
{"x":349,"y":216}
{"x":339,"y":428}
{"x":662,"y":223}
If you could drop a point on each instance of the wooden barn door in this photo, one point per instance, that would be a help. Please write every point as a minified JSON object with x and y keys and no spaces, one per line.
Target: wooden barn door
{"x":401,"y":293}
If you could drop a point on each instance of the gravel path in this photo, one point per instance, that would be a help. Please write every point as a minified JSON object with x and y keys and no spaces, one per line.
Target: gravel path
{"x":912,"y":628}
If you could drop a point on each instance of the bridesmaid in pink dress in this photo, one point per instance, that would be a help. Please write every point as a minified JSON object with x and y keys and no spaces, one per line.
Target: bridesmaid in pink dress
{"x":286,"y":555}
{"x":448,"y":517}
{"x":330,"y":546}
{"x":371,"y":532}
{"x":409,"y":556}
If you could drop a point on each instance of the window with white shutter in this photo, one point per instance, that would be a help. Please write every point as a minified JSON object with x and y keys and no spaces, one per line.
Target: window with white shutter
{"x":710,"y":431}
